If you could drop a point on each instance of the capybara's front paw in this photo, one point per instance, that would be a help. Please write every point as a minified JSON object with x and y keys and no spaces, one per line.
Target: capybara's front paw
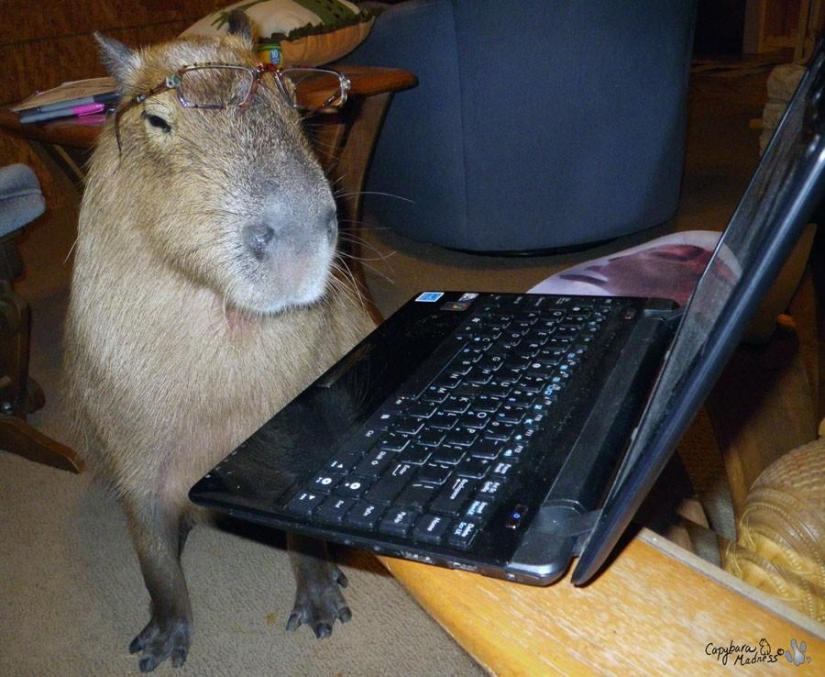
{"x":159,"y":641}
{"x":319,"y":603}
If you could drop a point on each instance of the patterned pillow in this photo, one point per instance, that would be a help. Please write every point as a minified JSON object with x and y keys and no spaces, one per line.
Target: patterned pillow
{"x":296,"y":32}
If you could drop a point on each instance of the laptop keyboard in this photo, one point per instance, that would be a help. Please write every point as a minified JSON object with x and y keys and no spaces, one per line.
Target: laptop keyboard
{"x":434,"y":464}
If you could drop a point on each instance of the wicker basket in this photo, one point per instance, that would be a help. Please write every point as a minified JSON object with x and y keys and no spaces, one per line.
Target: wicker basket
{"x":781,"y":542}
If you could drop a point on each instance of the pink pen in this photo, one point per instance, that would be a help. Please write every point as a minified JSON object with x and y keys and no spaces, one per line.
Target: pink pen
{"x":89,"y":109}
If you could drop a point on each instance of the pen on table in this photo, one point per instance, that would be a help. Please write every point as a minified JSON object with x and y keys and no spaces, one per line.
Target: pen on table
{"x":106,"y":97}
{"x":76,"y":111}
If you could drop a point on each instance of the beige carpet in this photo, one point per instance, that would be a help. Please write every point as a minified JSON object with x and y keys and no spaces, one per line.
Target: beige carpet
{"x":72,"y":596}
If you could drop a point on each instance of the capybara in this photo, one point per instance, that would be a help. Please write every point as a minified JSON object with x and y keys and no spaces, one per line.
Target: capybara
{"x":206,"y":293}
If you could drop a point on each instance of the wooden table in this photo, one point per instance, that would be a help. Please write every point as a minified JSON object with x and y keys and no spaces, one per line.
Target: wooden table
{"x":657,"y":610}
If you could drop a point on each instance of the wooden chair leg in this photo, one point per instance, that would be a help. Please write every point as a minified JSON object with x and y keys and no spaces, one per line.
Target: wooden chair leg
{"x":19,"y":395}
{"x":21,"y":439}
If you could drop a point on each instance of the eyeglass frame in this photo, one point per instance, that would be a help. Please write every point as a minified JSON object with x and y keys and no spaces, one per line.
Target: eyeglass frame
{"x":172,"y":82}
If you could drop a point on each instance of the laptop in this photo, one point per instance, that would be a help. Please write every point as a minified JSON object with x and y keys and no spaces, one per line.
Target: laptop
{"x":515,"y":434}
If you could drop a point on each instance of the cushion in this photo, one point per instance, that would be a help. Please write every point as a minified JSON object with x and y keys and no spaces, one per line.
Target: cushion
{"x":20,"y":198}
{"x":296,"y":32}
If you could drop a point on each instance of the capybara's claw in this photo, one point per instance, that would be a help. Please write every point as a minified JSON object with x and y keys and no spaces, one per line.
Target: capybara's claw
{"x":323,"y":630}
{"x":319,"y":609}
{"x":155,"y":644}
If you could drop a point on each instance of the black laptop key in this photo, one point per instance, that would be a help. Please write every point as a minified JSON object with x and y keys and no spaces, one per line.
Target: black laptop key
{"x":343,"y":462}
{"x":487,"y":403}
{"x":458,"y":404}
{"x":520,"y":398}
{"x":333,"y":509}
{"x":416,"y":454}
{"x":513,"y":452}
{"x":416,"y":495}
{"x":452,"y":497}
{"x":409,"y":426}
{"x":474,"y":419}
{"x":549,"y":357}
{"x":500,"y":389}
{"x":436,"y":394}
{"x":533,"y":383}
{"x":490,"y":489}
{"x":468,"y":391}
{"x":499,"y":431}
{"x":374,"y":463}
{"x":474,"y":467}
{"x":448,"y":455}
{"x":390,"y":484}
{"x":431,"y":437}
{"x":461,"y":533}
{"x":421,"y":410}
{"x":502,"y":470}
{"x":353,"y":486}
{"x":443,"y":420}
{"x":463,"y":437}
{"x":478,"y":511}
{"x":430,"y":528}
{"x":398,"y":521}
{"x":325,"y":482}
{"x":434,"y":473}
{"x":486,"y":449}
{"x":364,"y":515}
{"x":511,"y":413}
{"x":394,"y":441}
{"x":480,"y":376}
{"x":449,"y":379}
{"x":305,"y":502}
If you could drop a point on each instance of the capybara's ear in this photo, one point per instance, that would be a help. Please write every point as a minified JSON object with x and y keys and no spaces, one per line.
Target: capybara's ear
{"x":240,"y":25}
{"x":117,"y":58}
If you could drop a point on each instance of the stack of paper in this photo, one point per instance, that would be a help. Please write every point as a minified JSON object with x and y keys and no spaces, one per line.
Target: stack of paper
{"x":77,"y":98}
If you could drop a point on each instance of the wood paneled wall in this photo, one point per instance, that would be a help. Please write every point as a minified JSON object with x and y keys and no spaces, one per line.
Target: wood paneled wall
{"x":46,"y":42}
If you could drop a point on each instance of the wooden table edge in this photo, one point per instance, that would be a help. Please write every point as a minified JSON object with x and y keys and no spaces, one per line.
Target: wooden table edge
{"x":366,"y":81}
{"x":451,"y":597}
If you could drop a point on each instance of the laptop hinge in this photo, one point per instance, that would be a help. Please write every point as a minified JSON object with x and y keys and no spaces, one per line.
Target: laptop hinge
{"x":581,"y":527}
{"x":558,"y":532}
{"x":565,"y":521}
{"x":671,"y":316}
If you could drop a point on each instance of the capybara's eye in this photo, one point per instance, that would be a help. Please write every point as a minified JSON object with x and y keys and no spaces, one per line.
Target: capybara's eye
{"x":157,"y":121}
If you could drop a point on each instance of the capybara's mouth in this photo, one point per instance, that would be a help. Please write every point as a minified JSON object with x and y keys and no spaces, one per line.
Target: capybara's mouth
{"x":283,"y":281}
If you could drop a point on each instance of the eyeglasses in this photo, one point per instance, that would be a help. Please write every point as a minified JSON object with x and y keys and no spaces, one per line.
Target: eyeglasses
{"x":215,"y":86}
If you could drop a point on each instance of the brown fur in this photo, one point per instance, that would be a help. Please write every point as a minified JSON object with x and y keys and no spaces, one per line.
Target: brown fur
{"x":181,"y":340}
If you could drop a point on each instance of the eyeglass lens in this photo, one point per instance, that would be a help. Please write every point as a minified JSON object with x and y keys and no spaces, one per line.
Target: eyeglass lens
{"x":312,"y":88}
{"x":224,"y":86}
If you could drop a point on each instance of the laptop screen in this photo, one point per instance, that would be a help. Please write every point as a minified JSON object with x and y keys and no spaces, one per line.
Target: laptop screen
{"x":763,"y":230}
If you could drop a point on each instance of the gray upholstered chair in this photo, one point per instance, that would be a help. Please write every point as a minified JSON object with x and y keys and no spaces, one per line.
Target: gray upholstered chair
{"x":20,"y":203}
{"x":536,"y":124}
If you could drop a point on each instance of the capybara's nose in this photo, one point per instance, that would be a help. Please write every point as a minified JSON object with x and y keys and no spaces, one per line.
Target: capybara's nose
{"x":258,"y":237}
{"x":332,"y":225}
{"x":306,"y":233}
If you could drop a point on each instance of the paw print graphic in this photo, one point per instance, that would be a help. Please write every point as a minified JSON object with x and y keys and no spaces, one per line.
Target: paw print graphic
{"x":797,"y":653}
